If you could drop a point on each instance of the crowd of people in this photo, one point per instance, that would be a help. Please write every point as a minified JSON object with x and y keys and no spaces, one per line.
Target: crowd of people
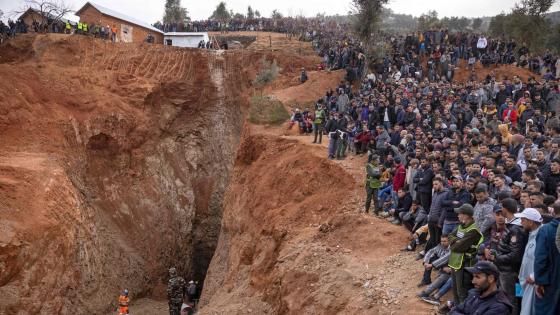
{"x":471,"y":169}
{"x":280,"y":25}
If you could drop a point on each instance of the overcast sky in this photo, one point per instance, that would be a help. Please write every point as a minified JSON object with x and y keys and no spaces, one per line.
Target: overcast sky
{"x":152,"y":10}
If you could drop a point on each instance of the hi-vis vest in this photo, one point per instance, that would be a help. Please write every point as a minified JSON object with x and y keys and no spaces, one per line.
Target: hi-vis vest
{"x":85,"y":26}
{"x":371,"y":181}
{"x":456,"y":259}
{"x":68,"y":26}
{"x":319,"y":116}
{"x":80,"y":25}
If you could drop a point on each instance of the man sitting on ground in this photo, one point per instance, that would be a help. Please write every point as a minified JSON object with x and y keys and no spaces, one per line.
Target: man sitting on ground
{"x":486,"y":298}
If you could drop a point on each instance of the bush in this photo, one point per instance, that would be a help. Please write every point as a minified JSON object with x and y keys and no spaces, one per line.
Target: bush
{"x":265,"y":110}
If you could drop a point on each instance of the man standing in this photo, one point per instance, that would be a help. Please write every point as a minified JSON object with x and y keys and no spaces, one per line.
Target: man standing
{"x":373,"y":173}
{"x":318,"y":123}
{"x":400,"y":175}
{"x":531,"y":220}
{"x":547,"y":267}
{"x":424,"y":178}
{"x":464,"y":242}
{"x":331,"y":128}
{"x":487,"y":298}
{"x":553,"y":180}
{"x":342,"y":128}
{"x":175,"y":291}
{"x":456,"y":197}
{"x":509,"y":252}
{"x":484,"y":210}
{"x":435,"y":212}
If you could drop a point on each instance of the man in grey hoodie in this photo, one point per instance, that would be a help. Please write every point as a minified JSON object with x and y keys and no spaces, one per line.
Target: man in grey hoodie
{"x":484,"y":210}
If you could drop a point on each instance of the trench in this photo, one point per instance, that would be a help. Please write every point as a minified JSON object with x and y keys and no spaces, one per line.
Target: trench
{"x":130,"y":154}
{"x":206,"y":228}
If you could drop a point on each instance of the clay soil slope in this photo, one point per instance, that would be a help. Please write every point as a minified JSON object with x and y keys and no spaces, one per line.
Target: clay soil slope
{"x":113,"y":164}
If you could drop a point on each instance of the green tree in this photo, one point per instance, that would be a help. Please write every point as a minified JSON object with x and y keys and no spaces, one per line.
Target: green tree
{"x":533,"y":7}
{"x":250,"y":13}
{"x":276,"y":15}
{"x":174,"y":13}
{"x":429,"y":20}
{"x":497,"y":25}
{"x":221,"y":13}
{"x":476,"y":23}
{"x":463,"y":23}
{"x":366,"y":18}
{"x":527,"y":23}
{"x":257,"y":13}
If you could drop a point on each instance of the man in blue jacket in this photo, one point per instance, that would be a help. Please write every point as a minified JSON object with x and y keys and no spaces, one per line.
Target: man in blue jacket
{"x":485,"y":298}
{"x":547,"y":268}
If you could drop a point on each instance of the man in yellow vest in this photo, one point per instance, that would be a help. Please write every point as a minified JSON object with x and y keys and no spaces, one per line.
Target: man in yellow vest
{"x":464,"y":241}
{"x":85,"y":28}
{"x":79,"y":28}
{"x":68,"y":27}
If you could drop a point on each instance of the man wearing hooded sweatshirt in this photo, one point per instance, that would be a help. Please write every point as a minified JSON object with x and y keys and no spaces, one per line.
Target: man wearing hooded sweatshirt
{"x":509,"y":252}
{"x":531,"y":220}
{"x":547,"y":268}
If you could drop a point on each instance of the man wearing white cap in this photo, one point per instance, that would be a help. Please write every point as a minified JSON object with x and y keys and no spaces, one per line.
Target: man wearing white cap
{"x":547,"y":268}
{"x":531,"y":221}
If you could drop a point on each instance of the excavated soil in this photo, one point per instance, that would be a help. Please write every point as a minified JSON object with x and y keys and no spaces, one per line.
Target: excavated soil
{"x":120,"y":161}
{"x":113,"y":167}
{"x":462,"y":74}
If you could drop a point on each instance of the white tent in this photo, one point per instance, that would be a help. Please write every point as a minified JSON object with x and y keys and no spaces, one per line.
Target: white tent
{"x":185,"y":39}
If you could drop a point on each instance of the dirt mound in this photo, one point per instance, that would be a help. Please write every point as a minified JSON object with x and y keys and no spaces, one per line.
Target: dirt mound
{"x":317,"y":84}
{"x":303,"y":256}
{"x":462,"y":74}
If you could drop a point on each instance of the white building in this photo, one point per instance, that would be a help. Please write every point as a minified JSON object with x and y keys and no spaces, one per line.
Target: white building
{"x":185,"y":39}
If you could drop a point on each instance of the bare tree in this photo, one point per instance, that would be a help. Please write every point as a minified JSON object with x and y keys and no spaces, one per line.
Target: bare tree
{"x":50,"y":11}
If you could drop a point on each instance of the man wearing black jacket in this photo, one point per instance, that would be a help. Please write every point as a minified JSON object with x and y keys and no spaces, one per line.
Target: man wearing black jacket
{"x":424,"y":178}
{"x":403,"y":205}
{"x":331,"y":127}
{"x":502,"y":95}
{"x":456,"y":197}
{"x":553,"y":180}
{"x":513,"y":170}
{"x":387,"y":114}
{"x":509,"y":253}
{"x":342,"y":127}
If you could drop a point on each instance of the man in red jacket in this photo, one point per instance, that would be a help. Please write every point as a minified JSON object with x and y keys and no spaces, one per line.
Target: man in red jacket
{"x":400,"y":175}
{"x":510,"y":114}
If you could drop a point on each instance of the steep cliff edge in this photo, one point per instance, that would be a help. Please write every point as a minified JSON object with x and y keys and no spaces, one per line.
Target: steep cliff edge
{"x":112,"y":169}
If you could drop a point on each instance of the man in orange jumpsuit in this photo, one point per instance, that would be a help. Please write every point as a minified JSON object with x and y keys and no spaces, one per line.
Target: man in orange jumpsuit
{"x":123,"y":303}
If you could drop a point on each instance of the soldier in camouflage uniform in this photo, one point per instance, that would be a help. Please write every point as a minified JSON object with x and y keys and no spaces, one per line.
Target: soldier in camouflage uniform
{"x":175,"y":291}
